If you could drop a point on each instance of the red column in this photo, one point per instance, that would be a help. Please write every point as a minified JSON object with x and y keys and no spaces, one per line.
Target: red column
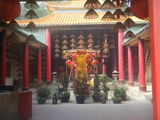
{"x":104,"y":66}
{"x":120,"y":56}
{"x":25,"y":68}
{"x":142,"y":84}
{"x":154,"y":18}
{"x":3,"y":58}
{"x":130,"y":67}
{"x":48,"y":57}
{"x":39,"y":66}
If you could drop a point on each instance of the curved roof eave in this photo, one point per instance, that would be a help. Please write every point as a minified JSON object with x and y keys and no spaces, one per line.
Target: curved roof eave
{"x":142,"y":31}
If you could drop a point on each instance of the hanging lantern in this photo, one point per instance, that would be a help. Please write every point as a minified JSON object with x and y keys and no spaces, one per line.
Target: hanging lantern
{"x":92,"y":4}
{"x":13,"y":24}
{"x":31,"y":4}
{"x":108,"y":16}
{"x":31,"y":14}
{"x":68,"y":62}
{"x":9,"y":10}
{"x":72,"y":63}
{"x":108,"y":4}
{"x":74,"y":56}
{"x":91,"y":14}
{"x":140,"y":8}
{"x":94,"y":62}
{"x":31,"y":27}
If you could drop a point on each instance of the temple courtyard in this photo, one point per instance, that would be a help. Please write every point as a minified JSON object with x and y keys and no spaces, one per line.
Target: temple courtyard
{"x":138,"y":106}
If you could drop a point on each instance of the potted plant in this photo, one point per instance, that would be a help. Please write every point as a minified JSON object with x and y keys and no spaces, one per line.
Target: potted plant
{"x":43,"y":93}
{"x":64,"y":96}
{"x":104,"y":79}
{"x":55,"y":97}
{"x":119,"y":92}
{"x":103,"y":97}
{"x":80,"y":87}
{"x":116,"y":99}
{"x":96,"y":91}
{"x":123,"y":92}
{"x":62,"y":88}
{"x":59,"y":81}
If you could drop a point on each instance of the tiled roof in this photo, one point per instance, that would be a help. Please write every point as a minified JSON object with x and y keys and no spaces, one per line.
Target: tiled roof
{"x":138,"y":33}
{"x":72,"y":19}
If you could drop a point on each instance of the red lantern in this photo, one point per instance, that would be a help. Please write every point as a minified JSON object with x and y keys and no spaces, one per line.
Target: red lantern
{"x":72,"y":63}
{"x":73,"y":56}
{"x":94,"y":62}
{"x":68,"y":62}
{"x":11,"y":9}
{"x":140,"y":8}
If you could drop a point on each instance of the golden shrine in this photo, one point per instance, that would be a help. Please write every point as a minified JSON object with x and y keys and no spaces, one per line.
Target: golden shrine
{"x":82,"y":60}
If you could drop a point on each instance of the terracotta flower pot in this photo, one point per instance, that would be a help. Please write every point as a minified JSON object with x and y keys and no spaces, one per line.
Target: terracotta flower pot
{"x":54,"y":101}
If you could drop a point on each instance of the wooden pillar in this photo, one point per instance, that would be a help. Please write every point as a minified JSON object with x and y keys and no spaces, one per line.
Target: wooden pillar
{"x":130,"y":67}
{"x":39,"y":66}
{"x":120,"y":57}
{"x":25,"y":67}
{"x":154,"y":18}
{"x":142,"y":84}
{"x":3,"y":57}
{"x":48,"y":58}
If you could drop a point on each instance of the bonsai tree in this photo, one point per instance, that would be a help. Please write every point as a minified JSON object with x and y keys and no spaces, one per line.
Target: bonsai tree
{"x":38,"y":83}
{"x":103,"y":97}
{"x":96,"y":91}
{"x":80,"y":86}
{"x":55,"y":96}
{"x":119,"y":92}
{"x":64,"y":96}
{"x":104,"y":79}
{"x":62,"y":83}
{"x":43,"y":93}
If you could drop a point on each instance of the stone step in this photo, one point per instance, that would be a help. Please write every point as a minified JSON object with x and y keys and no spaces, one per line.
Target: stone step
{"x":146,"y":95}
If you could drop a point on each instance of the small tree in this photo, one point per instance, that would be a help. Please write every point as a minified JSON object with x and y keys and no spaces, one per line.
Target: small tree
{"x":104,"y":79}
{"x":80,"y":84}
{"x":96,"y":90}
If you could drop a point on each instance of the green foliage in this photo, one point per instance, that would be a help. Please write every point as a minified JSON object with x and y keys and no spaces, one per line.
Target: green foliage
{"x":104,"y":79}
{"x":96,"y":93}
{"x":62,"y":82}
{"x":103,"y":95}
{"x":41,"y":11}
{"x":43,"y":92}
{"x":55,"y":94}
{"x":80,"y":84}
{"x":63,"y":94}
{"x":116,"y":98}
{"x":119,"y":91}
{"x":59,"y":1}
{"x":38,"y":84}
{"x":96,"y":90}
